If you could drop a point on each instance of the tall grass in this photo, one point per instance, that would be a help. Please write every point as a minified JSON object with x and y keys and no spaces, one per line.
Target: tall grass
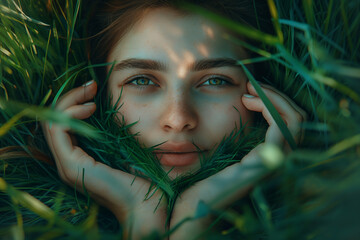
{"x":313,"y":193}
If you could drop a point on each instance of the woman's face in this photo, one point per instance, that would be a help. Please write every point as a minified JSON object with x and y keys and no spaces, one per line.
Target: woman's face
{"x":180,"y":83}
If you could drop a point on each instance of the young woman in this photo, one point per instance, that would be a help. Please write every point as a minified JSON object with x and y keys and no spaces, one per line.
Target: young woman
{"x":178,"y":77}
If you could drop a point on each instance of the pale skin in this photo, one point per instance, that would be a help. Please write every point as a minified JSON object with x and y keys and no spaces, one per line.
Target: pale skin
{"x":180,"y":106}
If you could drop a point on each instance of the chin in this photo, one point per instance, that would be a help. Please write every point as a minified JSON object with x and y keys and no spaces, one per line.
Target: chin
{"x":174,"y":172}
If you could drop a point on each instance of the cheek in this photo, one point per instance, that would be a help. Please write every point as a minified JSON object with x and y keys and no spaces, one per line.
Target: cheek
{"x":245,"y":114}
{"x":221,"y":119}
{"x":144,"y":114}
{"x":114,"y":92}
{"x":132,"y":112}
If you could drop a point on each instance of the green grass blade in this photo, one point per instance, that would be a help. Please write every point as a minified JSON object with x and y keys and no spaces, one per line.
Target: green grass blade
{"x":9,"y":124}
{"x":328,"y":16}
{"x":274,"y":113}
{"x":309,"y":12}
{"x":72,"y":27}
{"x":344,"y":145}
{"x":47,"y":114}
{"x":9,"y":13}
{"x":275,"y":16}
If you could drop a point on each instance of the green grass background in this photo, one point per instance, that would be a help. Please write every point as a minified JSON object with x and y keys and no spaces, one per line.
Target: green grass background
{"x":314,"y":193}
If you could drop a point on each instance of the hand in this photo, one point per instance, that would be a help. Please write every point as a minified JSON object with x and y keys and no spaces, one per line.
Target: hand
{"x":225,"y":187}
{"x":111,"y":188}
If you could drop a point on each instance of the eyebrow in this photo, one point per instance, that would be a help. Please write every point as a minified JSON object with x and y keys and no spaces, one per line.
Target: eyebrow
{"x":214,"y":63}
{"x":141,"y":64}
{"x":148,"y":64}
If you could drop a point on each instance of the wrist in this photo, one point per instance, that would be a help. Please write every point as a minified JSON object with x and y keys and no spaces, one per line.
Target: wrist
{"x":147,"y":217}
{"x":186,"y":218}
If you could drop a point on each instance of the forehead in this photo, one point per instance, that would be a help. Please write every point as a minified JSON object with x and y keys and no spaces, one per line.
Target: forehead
{"x":165,"y":33}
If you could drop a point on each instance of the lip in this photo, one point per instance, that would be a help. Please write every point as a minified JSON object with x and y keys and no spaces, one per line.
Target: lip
{"x":178,"y":154}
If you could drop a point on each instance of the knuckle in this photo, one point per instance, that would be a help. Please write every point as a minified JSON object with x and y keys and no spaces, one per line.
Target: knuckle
{"x":69,"y":176}
{"x":60,"y":101}
{"x":49,"y":131}
{"x":299,"y":118}
{"x":268,"y":87}
{"x":304,"y":115}
{"x":45,"y":128}
{"x":63,"y":176}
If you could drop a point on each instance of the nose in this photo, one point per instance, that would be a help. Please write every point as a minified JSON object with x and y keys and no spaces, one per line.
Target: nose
{"x":179,"y":115}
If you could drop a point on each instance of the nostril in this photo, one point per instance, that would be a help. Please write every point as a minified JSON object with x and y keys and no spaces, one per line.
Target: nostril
{"x":179,"y":114}
{"x":179,"y":122}
{"x":187,"y":126}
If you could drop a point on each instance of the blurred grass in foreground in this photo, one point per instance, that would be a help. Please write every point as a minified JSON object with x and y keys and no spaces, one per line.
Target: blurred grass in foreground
{"x":313,"y":193}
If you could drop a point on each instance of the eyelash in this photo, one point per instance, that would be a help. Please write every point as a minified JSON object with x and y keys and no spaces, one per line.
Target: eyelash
{"x":133,"y":79}
{"x":223,"y":80}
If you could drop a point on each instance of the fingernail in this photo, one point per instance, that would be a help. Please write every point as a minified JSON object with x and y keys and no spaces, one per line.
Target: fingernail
{"x":89,"y":103}
{"x":88,"y":83}
{"x":248,"y":95}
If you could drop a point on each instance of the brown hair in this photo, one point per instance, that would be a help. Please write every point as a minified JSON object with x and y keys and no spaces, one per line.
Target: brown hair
{"x":30,"y":149}
{"x":16,"y":152}
{"x":112,"y":19}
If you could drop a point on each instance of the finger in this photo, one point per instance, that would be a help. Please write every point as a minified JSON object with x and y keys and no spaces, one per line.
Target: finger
{"x":48,"y":133}
{"x":67,"y":142}
{"x":288,"y":110}
{"x":81,"y":111}
{"x":282,"y":103}
{"x":256,"y":104}
{"x":273,"y":133}
{"x":101,"y":180}
{"x":294,"y":126}
{"x":77,"y":96}
{"x":232,"y":182}
{"x":58,"y":138}
{"x":76,"y":167}
{"x":289,"y":100}
{"x":62,"y":147}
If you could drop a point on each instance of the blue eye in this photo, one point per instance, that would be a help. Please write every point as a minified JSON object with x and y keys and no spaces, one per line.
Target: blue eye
{"x":216,"y":81}
{"x":141,"y":81}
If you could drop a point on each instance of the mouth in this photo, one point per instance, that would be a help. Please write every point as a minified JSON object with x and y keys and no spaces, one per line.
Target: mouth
{"x":177,"y":159}
{"x":178,"y":154}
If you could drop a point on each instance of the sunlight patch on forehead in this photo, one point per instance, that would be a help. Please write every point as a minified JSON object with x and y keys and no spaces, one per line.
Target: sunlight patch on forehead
{"x":188,"y":60}
{"x":166,"y":44}
{"x":203,"y":50}
{"x":171,"y":53}
{"x":208,"y":31}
